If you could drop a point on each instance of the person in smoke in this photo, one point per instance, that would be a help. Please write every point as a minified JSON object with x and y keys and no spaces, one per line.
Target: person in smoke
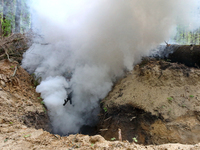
{"x":69,"y":98}
{"x":69,"y":90}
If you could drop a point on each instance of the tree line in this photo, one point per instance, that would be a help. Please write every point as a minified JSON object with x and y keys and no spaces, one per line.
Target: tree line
{"x":14,"y":17}
{"x":186,"y":36}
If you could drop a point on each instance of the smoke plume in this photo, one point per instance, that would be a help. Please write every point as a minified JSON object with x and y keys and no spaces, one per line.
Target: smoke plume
{"x":88,"y":46}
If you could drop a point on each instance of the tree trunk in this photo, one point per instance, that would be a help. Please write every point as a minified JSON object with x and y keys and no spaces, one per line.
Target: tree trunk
{"x":25,"y":17}
{"x":18,"y":16}
{"x":12,"y":12}
{"x":1,"y":33}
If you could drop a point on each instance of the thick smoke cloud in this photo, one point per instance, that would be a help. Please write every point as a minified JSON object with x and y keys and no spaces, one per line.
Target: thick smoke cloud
{"x":90,"y":44}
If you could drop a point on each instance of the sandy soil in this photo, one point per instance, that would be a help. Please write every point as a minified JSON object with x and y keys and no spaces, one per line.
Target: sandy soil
{"x":24,"y":120}
{"x":158,"y":102}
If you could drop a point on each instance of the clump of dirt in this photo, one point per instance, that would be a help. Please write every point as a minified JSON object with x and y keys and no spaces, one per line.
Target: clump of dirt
{"x":156,"y":103}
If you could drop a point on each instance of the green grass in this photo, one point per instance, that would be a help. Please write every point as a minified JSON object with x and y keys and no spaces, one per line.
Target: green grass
{"x":170,"y":99}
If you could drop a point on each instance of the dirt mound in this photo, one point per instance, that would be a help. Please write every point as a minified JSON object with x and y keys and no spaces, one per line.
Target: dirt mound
{"x":21,"y":114}
{"x":156,"y":103}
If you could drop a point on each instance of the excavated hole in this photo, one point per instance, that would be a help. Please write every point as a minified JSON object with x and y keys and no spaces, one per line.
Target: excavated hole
{"x":37,"y":120}
{"x":133,"y":122}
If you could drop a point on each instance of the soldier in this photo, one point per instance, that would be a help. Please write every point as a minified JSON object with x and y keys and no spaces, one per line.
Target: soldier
{"x":69,"y":98}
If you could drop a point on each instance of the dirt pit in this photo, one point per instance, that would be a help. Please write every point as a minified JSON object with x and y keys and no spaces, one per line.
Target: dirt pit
{"x":140,"y":115}
{"x":158,"y":102}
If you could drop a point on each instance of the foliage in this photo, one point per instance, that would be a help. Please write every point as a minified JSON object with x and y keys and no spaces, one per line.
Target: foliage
{"x":112,"y":139}
{"x":36,"y":80}
{"x":27,"y":135}
{"x":105,"y":109}
{"x":183,"y":105}
{"x":8,"y":11}
{"x":170,"y":99}
{"x":135,"y":139}
{"x":185,"y":36}
{"x":45,"y":111}
{"x":191,"y":96}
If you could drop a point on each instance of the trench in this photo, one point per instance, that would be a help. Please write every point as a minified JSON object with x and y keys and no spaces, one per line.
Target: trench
{"x":136,"y":124}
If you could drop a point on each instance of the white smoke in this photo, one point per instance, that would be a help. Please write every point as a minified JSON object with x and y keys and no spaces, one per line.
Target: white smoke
{"x":91,"y":43}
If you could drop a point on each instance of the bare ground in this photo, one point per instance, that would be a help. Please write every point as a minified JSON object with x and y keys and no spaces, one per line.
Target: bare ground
{"x":158,"y":102}
{"x":24,"y":120}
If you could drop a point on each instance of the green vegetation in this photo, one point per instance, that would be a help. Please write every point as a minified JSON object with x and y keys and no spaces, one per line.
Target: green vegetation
{"x":191,"y":96}
{"x":168,"y":60}
{"x":187,"y":37}
{"x":27,"y":135}
{"x":6,"y":140}
{"x":112,"y":139}
{"x":14,"y":17}
{"x":36,"y":80}
{"x":170,"y":99}
{"x":183,"y":105}
{"x":135,"y":139}
{"x":44,"y":110}
{"x":105,"y":109}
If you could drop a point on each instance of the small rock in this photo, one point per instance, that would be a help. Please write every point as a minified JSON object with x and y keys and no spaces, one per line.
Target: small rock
{"x":2,"y":121}
{"x":3,"y":83}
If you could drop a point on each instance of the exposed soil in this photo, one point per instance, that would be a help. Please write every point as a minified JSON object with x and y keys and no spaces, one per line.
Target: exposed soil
{"x":24,"y":120}
{"x":158,"y":102}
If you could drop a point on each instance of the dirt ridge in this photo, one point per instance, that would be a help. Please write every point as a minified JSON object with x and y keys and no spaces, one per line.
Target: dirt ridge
{"x":169,"y":91}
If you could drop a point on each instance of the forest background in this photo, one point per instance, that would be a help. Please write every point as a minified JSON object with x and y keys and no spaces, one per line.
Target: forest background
{"x":15,"y":17}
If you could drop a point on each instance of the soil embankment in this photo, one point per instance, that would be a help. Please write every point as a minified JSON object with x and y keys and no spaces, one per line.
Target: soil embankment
{"x":158,"y":102}
{"x":23,"y":120}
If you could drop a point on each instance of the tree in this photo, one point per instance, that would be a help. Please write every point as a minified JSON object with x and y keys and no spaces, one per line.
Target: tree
{"x":1,"y":13}
{"x":25,"y":16}
{"x":8,"y":16}
{"x":17,"y":16}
